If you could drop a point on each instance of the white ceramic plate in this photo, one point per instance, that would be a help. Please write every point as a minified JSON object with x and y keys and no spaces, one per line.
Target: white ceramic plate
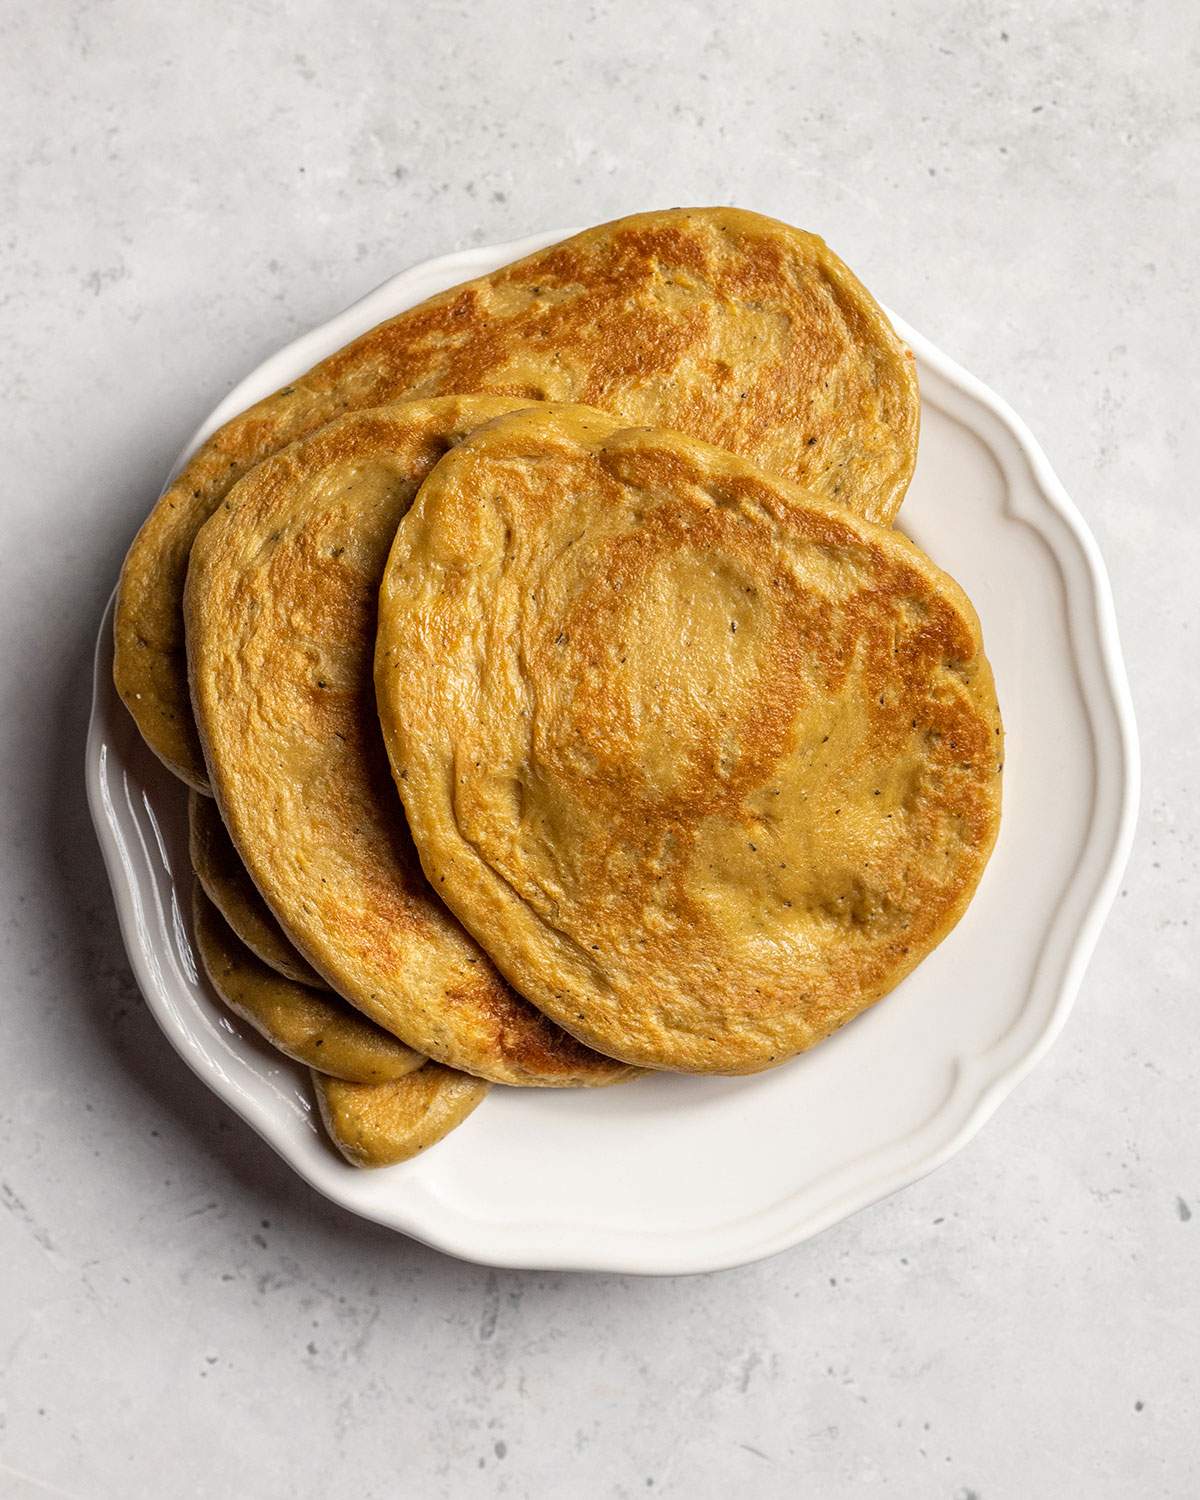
{"x":675,"y":1174}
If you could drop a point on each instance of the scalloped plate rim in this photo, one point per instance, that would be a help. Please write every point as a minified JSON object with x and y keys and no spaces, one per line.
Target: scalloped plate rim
{"x":1104,"y":690}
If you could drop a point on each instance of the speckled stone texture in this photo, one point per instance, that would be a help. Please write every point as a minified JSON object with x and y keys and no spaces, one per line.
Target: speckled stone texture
{"x":183,"y":188}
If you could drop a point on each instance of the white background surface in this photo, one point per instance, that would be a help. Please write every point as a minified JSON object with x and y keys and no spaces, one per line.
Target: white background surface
{"x":184,"y":188}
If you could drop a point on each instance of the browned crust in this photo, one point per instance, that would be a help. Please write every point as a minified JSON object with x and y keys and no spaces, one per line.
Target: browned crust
{"x":310,"y":1026}
{"x":281,"y":604}
{"x":712,"y":321}
{"x":705,"y":764}
{"x":230,"y":889}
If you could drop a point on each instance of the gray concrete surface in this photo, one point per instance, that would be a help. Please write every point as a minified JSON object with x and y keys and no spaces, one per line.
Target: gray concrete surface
{"x":186,"y":186}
